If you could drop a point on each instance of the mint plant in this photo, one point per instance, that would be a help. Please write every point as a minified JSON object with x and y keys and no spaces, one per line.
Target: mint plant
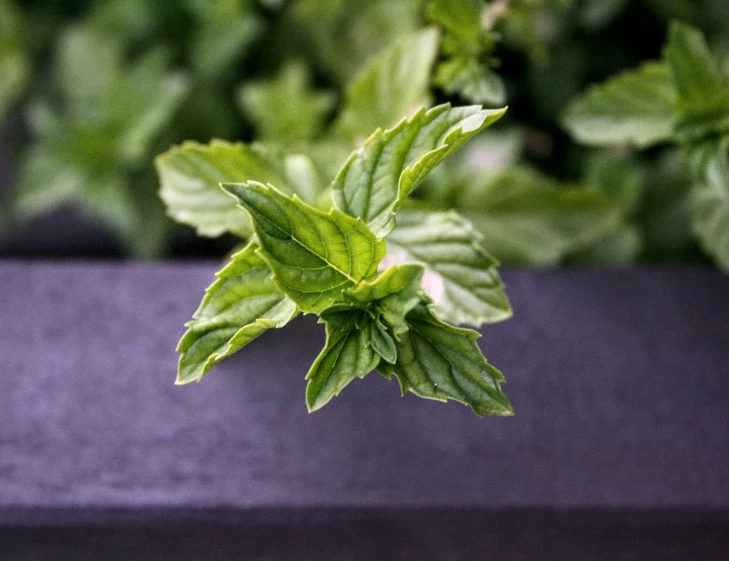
{"x":682,"y":100}
{"x":386,"y":279}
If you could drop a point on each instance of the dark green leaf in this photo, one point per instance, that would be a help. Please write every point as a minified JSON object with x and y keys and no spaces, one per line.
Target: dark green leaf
{"x":382,"y":342}
{"x":438,"y":361}
{"x":347,"y":356}
{"x":14,"y":59}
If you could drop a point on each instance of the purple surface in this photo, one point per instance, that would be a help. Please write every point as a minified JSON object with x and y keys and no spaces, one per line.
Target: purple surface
{"x":620,"y":382}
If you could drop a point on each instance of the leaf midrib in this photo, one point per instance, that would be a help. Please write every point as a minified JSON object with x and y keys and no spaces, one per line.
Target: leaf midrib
{"x":315,"y":254}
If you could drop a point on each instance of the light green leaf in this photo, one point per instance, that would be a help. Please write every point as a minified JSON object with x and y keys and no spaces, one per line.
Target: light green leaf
{"x":285,"y":108}
{"x":527,"y":218}
{"x":241,"y":304}
{"x":636,"y":107}
{"x":710,"y":198}
{"x":694,"y":70}
{"x":473,"y":81}
{"x":46,"y":181}
{"x":391,"y":281}
{"x":390,"y":87}
{"x":377,"y":178}
{"x":460,"y":276}
{"x":315,"y":256}
{"x":347,"y":356}
{"x":190,"y":176}
{"x":438,"y":361}
{"x":141,"y":103}
{"x":89,"y":63}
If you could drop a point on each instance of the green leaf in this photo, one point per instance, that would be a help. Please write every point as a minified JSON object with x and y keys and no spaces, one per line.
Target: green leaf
{"x":347,"y":356}
{"x":225,"y":30}
{"x":142,"y":103}
{"x":527,"y":218}
{"x":342,"y":36}
{"x":710,"y":198}
{"x":241,"y":304}
{"x":131,"y":104}
{"x":390,"y":87}
{"x":285,"y":108}
{"x":391,"y":295}
{"x":88,"y":64}
{"x":473,"y":81}
{"x":190,"y":176}
{"x":636,"y":107}
{"x":460,"y":276}
{"x":438,"y":361}
{"x":314,"y":255}
{"x":703,"y":93}
{"x":468,"y":45}
{"x":618,"y":177}
{"x":382,"y":342}
{"x":46,"y":181}
{"x":695,"y":72}
{"x":377,"y":178}
{"x":14,"y":60}
{"x":461,"y":18}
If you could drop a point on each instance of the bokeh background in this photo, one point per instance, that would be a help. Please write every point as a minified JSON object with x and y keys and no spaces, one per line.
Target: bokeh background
{"x":92,"y":91}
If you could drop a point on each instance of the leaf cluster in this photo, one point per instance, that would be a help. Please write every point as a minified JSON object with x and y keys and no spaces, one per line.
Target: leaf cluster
{"x":683,"y":101}
{"x":385,"y":280}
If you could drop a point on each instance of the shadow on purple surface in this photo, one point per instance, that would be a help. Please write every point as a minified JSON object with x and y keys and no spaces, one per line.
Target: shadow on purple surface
{"x":399,"y":535}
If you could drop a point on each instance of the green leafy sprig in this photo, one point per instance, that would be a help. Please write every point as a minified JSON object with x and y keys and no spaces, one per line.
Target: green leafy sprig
{"x":384,"y":290}
{"x":682,"y":100}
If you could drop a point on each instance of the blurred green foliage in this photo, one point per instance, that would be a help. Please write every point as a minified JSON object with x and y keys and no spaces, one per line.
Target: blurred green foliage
{"x":613,"y":152}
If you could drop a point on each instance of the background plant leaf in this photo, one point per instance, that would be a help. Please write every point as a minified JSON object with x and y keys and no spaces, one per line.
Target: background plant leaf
{"x":525,"y":217}
{"x":14,"y":56}
{"x":286,"y":108}
{"x":391,"y":86}
{"x":636,"y":107}
{"x":190,"y":176}
{"x":710,"y":198}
